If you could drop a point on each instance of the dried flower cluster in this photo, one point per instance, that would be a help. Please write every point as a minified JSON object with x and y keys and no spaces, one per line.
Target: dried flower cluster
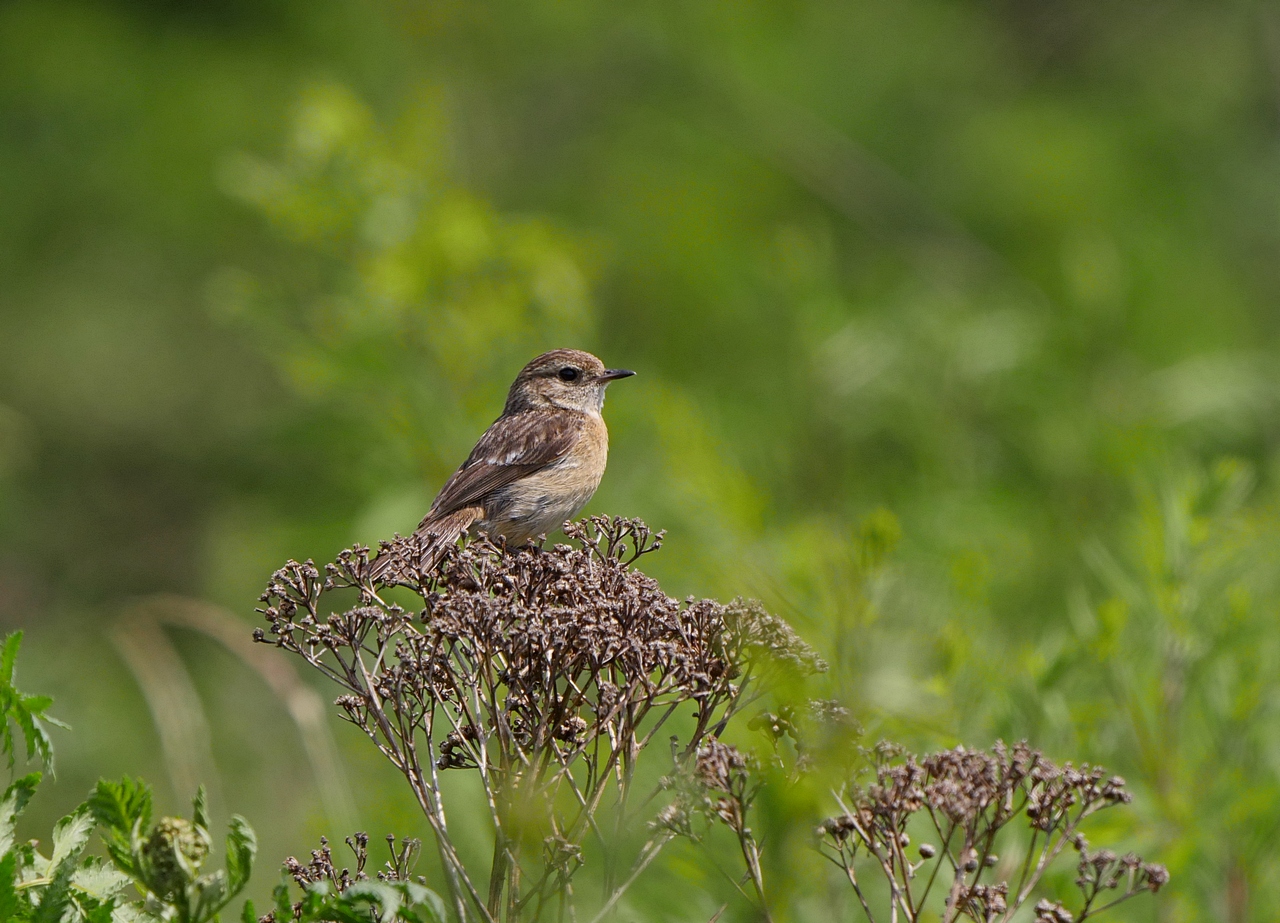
{"x":322,"y":868}
{"x":330,"y":893}
{"x":966,"y":799}
{"x":546,"y":671}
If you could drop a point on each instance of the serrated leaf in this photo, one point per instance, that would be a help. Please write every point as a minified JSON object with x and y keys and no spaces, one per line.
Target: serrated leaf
{"x":8,"y":894}
{"x":100,"y":913}
{"x":116,"y":805}
{"x":69,"y":838}
{"x":33,"y":733}
{"x":132,"y":913}
{"x":14,"y":800}
{"x":200,"y":809}
{"x":246,"y":913}
{"x":242,"y":847}
{"x":121,"y":808}
{"x":99,"y":880}
{"x":26,"y":711}
{"x":9,"y":656}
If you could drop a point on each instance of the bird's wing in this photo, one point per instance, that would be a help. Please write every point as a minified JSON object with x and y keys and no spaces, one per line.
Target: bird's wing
{"x":513,"y":447}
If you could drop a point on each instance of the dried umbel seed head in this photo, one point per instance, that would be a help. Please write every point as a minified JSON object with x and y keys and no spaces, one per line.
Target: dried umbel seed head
{"x":1157,"y":876}
{"x":841,"y":828}
{"x":568,"y":617}
{"x":456,"y":750}
{"x":986,"y":902}
{"x":675,"y":819}
{"x":572,"y":730}
{"x":322,"y":867}
{"x":719,"y":766}
{"x":172,"y":854}
{"x":549,"y":668}
{"x":980,"y":793}
{"x":1052,"y":912}
{"x":764,"y":634}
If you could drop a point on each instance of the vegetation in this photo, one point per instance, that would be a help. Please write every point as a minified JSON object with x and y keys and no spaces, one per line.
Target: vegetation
{"x":550,"y":673}
{"x":955,"y":330}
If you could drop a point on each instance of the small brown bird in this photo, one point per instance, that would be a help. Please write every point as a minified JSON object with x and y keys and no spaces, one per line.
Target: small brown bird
{"x":536,"y":466}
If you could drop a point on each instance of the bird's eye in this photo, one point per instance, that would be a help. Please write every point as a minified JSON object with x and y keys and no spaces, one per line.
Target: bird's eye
{"x":568,"y":373}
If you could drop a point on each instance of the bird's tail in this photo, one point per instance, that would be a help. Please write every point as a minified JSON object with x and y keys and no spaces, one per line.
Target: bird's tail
{"x":422,"y":550}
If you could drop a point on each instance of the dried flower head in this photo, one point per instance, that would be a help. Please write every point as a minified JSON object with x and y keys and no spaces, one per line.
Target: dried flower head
{"x":538,"y":668}
{"x":322,"y":870}
{"x":967,"y":797}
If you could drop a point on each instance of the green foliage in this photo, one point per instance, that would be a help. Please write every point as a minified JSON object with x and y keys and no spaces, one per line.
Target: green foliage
{"x":26,"y":712}
{"x":166,"y":859}
{"x":981,"y":265}
{"x":122,"y":810}
{"x":1175,"y":668}
{"x":63,"y":887}
{"x":362,"y":902}
{"x":162,"y":861}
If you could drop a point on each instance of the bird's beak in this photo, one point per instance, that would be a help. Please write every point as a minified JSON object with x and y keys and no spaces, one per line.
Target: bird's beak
{"x":614,"y":374}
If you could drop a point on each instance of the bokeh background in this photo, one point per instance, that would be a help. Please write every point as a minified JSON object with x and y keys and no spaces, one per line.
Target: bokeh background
{"x":957,"y":326}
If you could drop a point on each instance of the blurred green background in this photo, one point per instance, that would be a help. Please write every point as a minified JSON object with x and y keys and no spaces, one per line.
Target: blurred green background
{"x":957,"y":327}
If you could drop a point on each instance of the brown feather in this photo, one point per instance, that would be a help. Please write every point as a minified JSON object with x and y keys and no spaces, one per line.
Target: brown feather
{"x":437,"y":535}
{"x":513,"y":447}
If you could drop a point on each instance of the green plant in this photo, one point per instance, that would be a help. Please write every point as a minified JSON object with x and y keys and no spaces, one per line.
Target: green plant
{"x":163,"y":861}
{"x":548,"y":672}
{"x":330,"y":894}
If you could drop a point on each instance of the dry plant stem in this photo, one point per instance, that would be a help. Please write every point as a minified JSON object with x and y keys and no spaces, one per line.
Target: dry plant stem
{"x":751,"y":853}
{"x":647,"y":855}
{"x":427,"y":795}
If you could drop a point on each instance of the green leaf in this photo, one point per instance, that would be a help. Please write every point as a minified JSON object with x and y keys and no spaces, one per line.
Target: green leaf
{"x":14,"y":800}
{"x":120,"y":808}
{"x":242,"y":846}
{"x":9,"y":656}
{"x":69,"y":839}
{"x":116,"y":805}
{"x":432,"y":903}
{"x":200,"y":809}
{"x":101,"y":913}
{"x":8,"y":895}
{"x":26,"y":711}
{"x":284,"y":907}
{"x":133,"y":913}
{"x":70,"y":836}
{"x":385,"y":896}
{"x":99,"y":880}
{"x":247,"y":915}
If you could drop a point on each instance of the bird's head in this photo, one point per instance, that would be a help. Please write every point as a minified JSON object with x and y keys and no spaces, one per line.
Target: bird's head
{"x":566,"y":378}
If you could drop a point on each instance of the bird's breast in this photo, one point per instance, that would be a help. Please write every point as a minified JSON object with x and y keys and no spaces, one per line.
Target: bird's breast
{"x":541,"y":502}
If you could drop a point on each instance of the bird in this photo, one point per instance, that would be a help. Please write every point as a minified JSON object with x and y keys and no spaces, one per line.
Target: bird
{"x":534,"y":468}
